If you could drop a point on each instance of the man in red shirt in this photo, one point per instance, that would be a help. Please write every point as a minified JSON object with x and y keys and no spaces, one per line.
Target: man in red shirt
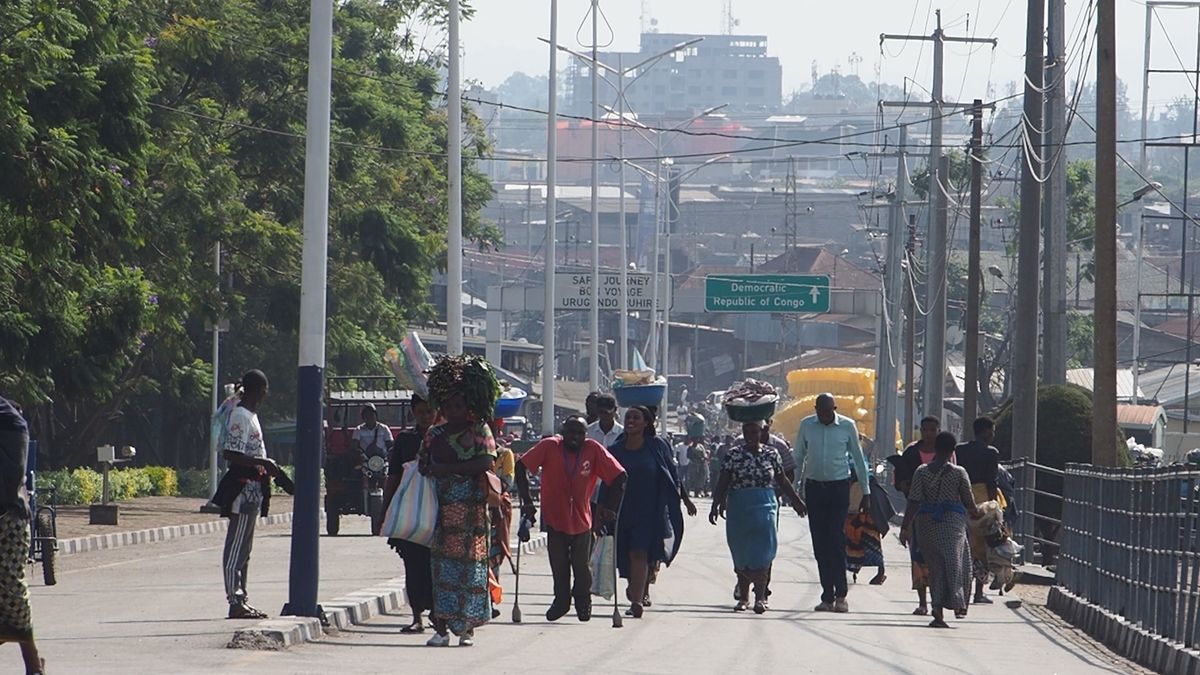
{"x":570,"y":464}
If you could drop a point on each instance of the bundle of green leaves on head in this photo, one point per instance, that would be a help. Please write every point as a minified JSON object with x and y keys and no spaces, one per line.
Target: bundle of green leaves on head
{"x":469,"y":376}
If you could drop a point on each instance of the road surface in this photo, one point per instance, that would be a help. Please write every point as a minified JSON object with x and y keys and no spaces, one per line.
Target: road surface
{"x":158,"y":608}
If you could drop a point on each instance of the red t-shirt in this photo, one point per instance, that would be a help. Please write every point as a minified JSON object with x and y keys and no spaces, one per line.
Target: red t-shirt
{"x":568,"y":481}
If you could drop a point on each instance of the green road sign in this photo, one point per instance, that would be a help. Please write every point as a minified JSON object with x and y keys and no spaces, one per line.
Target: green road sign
{"x":780,"y":293}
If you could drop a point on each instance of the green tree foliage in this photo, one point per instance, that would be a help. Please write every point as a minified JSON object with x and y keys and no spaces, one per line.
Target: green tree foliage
{"x":137,"y":135}
{"x":1080,"y":339}
{"x":1064,"y":436}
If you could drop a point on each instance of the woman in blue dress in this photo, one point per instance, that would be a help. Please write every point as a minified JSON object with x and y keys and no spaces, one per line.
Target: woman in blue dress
{"x":650,"y":527}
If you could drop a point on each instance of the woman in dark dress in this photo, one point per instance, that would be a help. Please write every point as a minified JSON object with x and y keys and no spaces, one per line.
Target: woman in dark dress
{"x":650,"y":527}
{"x":418,"y":579}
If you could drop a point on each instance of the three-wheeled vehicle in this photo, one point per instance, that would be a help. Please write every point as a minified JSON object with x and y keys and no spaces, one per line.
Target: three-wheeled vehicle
{"x":43,"y":522}
{"x":354,"y":479}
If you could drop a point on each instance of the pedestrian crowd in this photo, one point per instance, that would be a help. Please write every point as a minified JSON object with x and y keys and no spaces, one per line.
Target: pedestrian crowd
{"x":613,"y":494}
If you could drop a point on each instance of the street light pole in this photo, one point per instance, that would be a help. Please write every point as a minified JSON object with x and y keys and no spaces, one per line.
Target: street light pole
{"x":633,"y":73}
{"x":594,"y":370}
{"x":304,"y":566}
{"x":454,"y":283}
{"x":623,"y":328}
{"x":551,"y":215}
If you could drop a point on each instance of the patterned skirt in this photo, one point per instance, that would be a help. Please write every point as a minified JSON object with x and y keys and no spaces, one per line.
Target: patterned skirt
{"x":459,"y":555}
{"x":16,"y":622}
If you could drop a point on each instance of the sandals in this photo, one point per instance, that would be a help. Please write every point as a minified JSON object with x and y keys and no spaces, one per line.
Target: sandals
{"x":921,"y":611}
{"x":413,"y":629}
{"x":244,"y":611}
{"x":878,"y":579}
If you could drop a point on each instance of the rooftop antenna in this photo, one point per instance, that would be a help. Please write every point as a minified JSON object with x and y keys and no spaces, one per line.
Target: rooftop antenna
{"x":643,"y":18}
{"x":854,"y":60}
{"x":728,"y":23}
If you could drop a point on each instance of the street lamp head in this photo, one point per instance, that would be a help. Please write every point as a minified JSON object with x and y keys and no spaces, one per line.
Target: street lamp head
{"x":1152,"y":186}
{"x":995,"y":271}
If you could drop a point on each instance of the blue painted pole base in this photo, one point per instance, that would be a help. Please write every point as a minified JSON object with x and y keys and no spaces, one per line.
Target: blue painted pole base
{"x":304,"y":571}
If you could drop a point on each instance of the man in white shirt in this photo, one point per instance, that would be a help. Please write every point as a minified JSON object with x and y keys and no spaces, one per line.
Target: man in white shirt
{"x":605,"y":429}
{"x":372,"y":438}
{"x":682,"y":460}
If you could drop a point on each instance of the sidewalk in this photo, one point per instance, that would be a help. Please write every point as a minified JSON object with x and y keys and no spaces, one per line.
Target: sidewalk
{"x":148,"y":513}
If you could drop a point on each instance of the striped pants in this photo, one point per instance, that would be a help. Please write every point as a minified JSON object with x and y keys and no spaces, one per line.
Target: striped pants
{"x":239,"y":540}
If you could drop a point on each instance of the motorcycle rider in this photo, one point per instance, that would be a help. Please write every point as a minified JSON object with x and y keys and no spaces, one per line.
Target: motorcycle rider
{"x":371,"y":438}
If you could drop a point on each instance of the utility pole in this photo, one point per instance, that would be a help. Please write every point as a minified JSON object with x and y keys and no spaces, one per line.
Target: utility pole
{"x":974,"y":276}
{"x":1104,"y":391}
{"x":1054,"y":201}
{"x":594,"y":357}
{"x":936,"y":249}
{"x":790,"y":226}
{"x":454,"y":281}
{"x":910,"y":330}
{"x":548,"y":426}
{"x":892,"y":314}
{"x":933,"y":366}
{"x":1025,"y":330}
{"x":304,"y":564}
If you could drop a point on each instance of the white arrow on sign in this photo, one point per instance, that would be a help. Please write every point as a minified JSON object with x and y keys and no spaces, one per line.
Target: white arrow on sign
{"x":814,"y":293}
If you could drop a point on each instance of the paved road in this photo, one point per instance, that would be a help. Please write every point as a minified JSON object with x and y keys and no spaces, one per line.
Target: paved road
{"x":125,"y":611}
{"x":128,"y":609}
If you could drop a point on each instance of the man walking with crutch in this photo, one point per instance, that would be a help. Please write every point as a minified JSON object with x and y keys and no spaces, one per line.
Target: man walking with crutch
{"x":570,"y":464}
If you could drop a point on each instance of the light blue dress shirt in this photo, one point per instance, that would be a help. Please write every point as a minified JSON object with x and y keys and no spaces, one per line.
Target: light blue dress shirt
{"x":824,"y":451}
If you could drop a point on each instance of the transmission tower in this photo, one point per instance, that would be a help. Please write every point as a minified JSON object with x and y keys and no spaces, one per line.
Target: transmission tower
{"x":791,"y":218}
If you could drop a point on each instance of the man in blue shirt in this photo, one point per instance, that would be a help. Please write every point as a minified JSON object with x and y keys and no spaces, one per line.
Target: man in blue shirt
{"x":825,"y":446}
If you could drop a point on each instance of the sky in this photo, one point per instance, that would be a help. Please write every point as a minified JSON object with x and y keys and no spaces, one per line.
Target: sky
{"x":503,"y":38}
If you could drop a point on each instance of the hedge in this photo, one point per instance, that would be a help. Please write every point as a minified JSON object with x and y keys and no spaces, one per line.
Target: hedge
{"x":84,"y":485}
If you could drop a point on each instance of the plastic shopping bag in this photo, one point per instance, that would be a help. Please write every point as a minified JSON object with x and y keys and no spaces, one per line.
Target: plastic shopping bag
{"x":413,"y":512}
{"x":409,"y":362}
{"x":603,"y":554}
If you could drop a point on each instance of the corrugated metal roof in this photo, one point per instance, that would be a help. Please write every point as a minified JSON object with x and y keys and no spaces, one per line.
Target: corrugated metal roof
{"x":1084,"y":377}
{"x":1170,"y":387}
{"x":1139,"y":416}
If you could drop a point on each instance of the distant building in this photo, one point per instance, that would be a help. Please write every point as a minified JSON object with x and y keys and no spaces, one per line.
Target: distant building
{"x":723,"y":69}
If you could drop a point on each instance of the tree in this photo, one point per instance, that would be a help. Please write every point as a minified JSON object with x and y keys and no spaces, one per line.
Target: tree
{"x":143,"y":134}
{"x":1081,"y":205}
{"x":1080,"y":339}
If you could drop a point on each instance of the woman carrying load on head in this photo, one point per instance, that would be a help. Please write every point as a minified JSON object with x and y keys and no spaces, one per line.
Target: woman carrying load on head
{"x":745,"y":497}
{"x":458,"y":453}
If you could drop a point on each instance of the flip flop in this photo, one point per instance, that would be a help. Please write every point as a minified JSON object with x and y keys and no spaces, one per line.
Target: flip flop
{"x":921,"y":611}
{"x":412,"y":629}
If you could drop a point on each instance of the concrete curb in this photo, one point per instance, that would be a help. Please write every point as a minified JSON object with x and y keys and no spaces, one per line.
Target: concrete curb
{"x":1128,"y":640}
{"x":350,"y":610}
{"x":99,"y":542}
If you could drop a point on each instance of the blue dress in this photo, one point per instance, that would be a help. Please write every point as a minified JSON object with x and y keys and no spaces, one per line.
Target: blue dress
{"x":651,"y":519}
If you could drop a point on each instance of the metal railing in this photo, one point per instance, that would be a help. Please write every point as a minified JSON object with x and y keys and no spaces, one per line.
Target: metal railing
{"x":1039,"y":508}
{"x":1129,"y":545}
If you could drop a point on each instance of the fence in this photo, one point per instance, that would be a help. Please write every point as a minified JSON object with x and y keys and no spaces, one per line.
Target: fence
{"x":1039,"y":506}
{"x":1129,"y":546}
